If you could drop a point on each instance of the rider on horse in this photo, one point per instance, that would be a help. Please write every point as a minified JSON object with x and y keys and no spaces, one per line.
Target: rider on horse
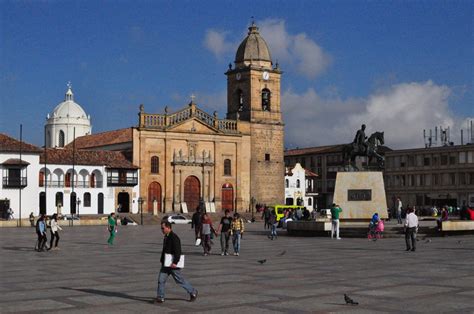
{"x":360,"y":145}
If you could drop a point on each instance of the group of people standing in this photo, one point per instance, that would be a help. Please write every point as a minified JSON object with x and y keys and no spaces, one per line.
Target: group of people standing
{"x":41,"y":227}
{"x":230,"y":226}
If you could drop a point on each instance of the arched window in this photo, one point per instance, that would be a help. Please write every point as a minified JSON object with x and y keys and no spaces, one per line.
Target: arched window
{"x":309,"y":201}
{"x":41,"y":178}
{"x":240,"y":99}
{"x":287,"y":183}
{"x":265,"y":99}
{"x":227,"y":168}
{"x":87,"y":199}
{"x":59,"y":199}
{"x":61,"y":138}
{"x":298,"y":183}
{"x":155,"y":167}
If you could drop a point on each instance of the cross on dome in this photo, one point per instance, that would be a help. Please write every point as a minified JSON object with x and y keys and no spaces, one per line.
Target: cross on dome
{"x":69,"y":93}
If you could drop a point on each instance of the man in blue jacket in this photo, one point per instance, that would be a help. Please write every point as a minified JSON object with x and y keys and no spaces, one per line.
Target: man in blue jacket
{"x":171,"y":245}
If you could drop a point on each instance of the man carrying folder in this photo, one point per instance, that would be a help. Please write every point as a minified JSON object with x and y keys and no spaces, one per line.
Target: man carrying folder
{"x":171,"y":263}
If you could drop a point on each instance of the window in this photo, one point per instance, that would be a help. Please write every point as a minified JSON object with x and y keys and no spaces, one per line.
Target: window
{"x":227,"y":167}
{"x":266,"y":99}
{"x":462,"y":178}
{"x":267,"y":157}
{"x":155,"y":167}
{"x":297,"y":183}
{"x":444,"y":160}
{"x":309,"y":202}
{"x":287,"y":183}
{"x":92,"y":180}
{"x":435,"y":178}
{"x":61,"y":138}
{"x":87,"y":199}
{"x":462,"y":157}
{"x":240,"y":100}
{"x":67,"y":181}
{"x":426,"y":161}
{"x":452,"y":159}
{"x":41,"y":178}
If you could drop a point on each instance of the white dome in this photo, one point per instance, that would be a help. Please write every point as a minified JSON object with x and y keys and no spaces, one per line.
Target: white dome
{"x":69,"y":109}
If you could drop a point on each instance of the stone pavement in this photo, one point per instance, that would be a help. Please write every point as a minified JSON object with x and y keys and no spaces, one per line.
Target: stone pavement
{"x":312,"y":275}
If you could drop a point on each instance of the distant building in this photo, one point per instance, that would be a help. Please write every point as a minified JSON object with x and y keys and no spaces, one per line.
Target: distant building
{"x":68,"y":120}
{"x":430,"y":176}
{"x":300,"y":187}
{"x":325,"y":161}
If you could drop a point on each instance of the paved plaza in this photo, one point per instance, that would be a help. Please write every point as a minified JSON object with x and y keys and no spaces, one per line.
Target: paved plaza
{"x":301,"y":274}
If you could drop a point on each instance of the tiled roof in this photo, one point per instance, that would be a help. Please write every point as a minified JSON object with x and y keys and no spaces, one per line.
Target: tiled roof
{"x":15,"y":162}
{"x":325,"y":150}
{"x":315,"y":150}
{"x":103,"y":139}
{"x":110,"y":159}
{"x":310,"y":173}
{"x":9,"y":144}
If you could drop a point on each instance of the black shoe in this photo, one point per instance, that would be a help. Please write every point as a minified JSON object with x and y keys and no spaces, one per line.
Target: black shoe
{"x":407,"y":250}
{"x":193,"y":296}
{"x":158,"y":300}
{"x":413,"y":250}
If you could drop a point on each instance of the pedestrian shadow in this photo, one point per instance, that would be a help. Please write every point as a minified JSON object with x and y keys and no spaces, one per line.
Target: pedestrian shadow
{"x":111,"y":294}
{"x":18,"y":248}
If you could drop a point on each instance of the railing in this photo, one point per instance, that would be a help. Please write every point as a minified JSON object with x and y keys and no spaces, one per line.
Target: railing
{"x":121,"y":181}
{"x":60,"y":184}
{"x":162,"y":121}
{"x":16,"y":182}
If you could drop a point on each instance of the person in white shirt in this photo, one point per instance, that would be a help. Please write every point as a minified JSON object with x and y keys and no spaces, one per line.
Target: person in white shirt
{"x":54,"y":232}
{"x":399,"y":210}
{"x":411,"y":226}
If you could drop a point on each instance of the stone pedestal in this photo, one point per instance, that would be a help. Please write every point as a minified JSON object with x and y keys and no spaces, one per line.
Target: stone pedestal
{"x":360,"y":194}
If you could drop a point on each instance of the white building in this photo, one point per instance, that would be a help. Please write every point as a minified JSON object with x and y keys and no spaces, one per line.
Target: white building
{"x":91,"y":182}
{"x":300,"y":187}
{"x":53,"y":181}
{"x":19,"y":176}
{"x":67,"y":121}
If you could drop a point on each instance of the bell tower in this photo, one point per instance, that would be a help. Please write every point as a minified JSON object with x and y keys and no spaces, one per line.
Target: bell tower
{"x":253,"y":96}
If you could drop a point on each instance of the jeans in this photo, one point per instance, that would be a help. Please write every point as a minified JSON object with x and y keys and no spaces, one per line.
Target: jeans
{"x":399,"y":216}
{"x":178,"y":278}
{"x":335,"y":228}
{"x":225,"y":237}
{"x":410,"y":236}
{"x":236,"y":241}
{"x":273,"y":232}
{"x":206,"y":243}
{"x":54,"y":235}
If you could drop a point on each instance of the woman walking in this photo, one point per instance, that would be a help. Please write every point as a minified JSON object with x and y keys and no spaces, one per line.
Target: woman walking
{"x":206,"y":231}
{"x":54,"y":232}
{"x":237,"y":231}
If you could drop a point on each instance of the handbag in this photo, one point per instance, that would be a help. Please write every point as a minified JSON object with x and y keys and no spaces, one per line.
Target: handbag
{"x":169,"y":261}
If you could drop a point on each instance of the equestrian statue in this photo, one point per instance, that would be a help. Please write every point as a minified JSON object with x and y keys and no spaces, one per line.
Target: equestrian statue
{"x":363,"y":146}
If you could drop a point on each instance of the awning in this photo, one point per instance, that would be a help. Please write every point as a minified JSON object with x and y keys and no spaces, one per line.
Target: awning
{"x":15,"y":162}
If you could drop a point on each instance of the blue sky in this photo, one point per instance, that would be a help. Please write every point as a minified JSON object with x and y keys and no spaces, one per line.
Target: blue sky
{"x":399,"y":66}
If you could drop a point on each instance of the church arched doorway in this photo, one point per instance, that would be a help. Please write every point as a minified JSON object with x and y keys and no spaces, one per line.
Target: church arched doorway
{"x":154,"y":193}
{"x":192,"y":192}
{"x":227,"y":197}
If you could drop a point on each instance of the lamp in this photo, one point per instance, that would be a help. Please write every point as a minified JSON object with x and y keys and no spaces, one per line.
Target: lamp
{"x":140,"y":203}
{"x":78,"y":201}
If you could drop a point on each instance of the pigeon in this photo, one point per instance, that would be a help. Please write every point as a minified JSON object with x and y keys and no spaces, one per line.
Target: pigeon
{"x":459,"y":242}
{"x":349,"y":300}
{"x":428,"y":241}
{"x":282,"y":253}
{"x":262,"y":261}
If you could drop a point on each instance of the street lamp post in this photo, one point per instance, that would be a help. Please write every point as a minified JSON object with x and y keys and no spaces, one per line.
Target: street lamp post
{"x":78,"y":205}
{"x":252,"y":203}
{"x":140,"y":203}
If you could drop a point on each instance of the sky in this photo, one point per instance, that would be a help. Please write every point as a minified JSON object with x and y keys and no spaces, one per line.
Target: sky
{"x":397,"y":66}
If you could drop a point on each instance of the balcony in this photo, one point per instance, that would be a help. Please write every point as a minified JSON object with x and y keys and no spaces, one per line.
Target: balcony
{"x":14,"y":182}
{"x":122,"y":181}
{"x":61,"y":184}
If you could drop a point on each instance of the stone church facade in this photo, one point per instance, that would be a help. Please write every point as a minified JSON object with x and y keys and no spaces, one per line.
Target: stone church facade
{"x":192,"y":157}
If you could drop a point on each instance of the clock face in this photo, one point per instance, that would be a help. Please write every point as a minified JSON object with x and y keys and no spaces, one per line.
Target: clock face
{"x":266,"y":75}
{"x":238,"y":76}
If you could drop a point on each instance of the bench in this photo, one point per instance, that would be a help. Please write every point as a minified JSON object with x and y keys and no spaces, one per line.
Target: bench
{"x":457,"y":225}
{"x":304,"y":227}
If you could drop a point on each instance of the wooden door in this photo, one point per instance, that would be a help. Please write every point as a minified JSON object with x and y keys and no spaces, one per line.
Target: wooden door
{"x":154,"y":193}
{"x":227,"y":197}
{"x":192,"y":192}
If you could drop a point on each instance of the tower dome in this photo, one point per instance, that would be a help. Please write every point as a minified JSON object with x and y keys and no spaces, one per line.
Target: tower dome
{"x":68,"y":120}
{"x":253,"y":50}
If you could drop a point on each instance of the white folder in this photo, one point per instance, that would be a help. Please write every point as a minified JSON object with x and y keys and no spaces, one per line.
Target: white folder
{"x":169,"y":261}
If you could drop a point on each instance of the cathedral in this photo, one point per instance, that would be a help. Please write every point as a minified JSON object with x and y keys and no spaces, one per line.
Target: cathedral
{"x":190,"y":157}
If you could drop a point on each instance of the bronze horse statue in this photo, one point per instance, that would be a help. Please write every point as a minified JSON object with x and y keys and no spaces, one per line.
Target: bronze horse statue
{"x":351,"y":151}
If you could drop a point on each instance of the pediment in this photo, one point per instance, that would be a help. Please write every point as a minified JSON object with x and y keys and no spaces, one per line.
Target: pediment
{"x":193,"y":125}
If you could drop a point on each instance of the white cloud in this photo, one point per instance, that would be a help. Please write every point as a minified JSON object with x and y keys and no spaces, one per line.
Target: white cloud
{"x":215,"y":41}
{"x":297,"y":51}
{"x":402,"y":112}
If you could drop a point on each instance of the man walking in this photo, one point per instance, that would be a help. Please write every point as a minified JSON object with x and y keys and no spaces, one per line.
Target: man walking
{"x":237,"y":230}
{"x":335,"y":210}
{"x":171,"y":245}
{"x":224,"y":230}
{"x":411,"y":224}
{"x":399,"y":210}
